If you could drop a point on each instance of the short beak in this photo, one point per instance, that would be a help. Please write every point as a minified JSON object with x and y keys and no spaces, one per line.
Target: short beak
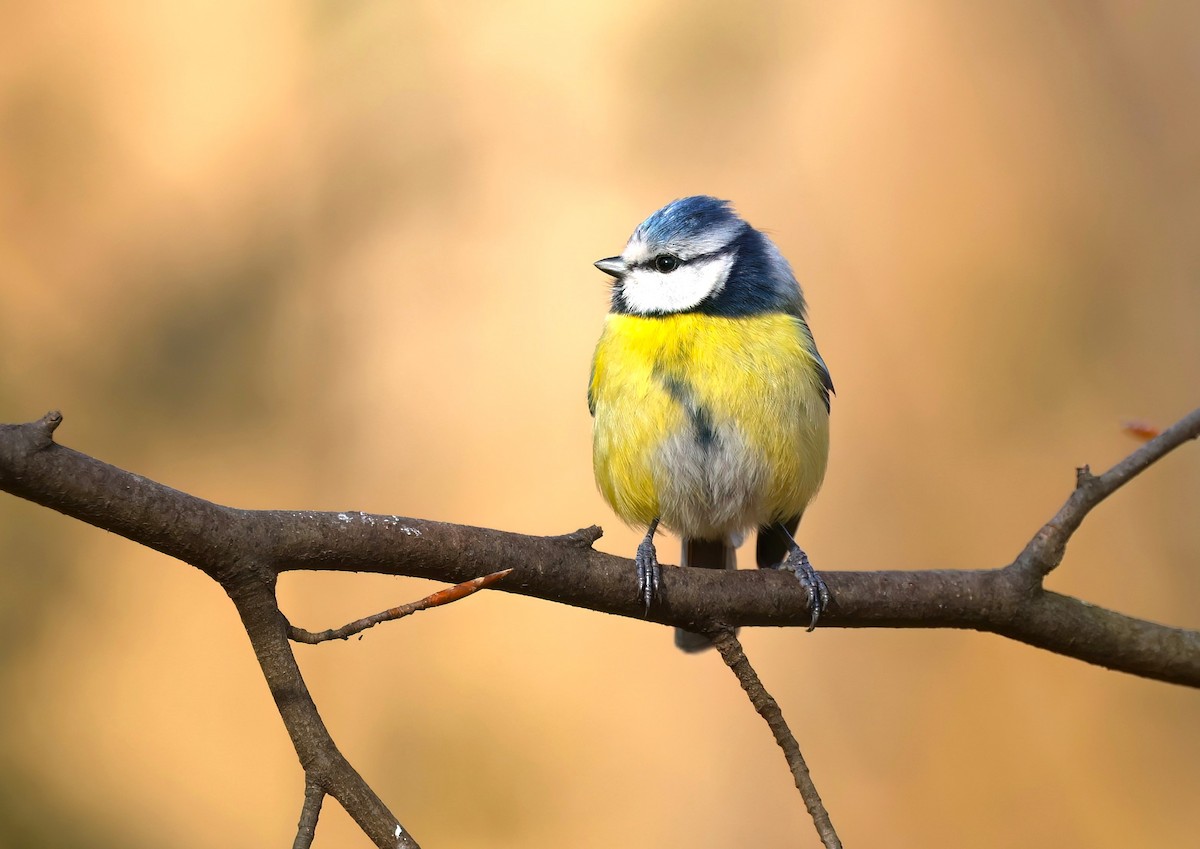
{"x":613,"y":265}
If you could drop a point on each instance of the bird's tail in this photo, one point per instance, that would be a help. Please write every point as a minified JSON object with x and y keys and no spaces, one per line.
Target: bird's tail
{"x":703,"y":554}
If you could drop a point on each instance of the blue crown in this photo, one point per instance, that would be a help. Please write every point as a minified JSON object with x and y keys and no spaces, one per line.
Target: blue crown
{"x":687,"y":217}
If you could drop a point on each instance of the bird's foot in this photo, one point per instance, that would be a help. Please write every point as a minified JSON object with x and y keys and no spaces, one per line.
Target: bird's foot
{"x":797,"y":563}
{"x":649,"y":573}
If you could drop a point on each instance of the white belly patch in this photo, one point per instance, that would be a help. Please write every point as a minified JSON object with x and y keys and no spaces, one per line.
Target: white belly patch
{"x":710,"y":483}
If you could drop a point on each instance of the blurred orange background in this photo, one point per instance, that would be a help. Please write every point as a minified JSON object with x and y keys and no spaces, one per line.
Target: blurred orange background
{"x":338,"y":256}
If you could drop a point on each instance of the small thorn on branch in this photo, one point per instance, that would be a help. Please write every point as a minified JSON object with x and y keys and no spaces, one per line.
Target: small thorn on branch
{"x":50,"y":421}
{"x":41,"y":432}
{"x":1083,"y":476}
{"x":584,"y":537}
{"x":437,"y":599}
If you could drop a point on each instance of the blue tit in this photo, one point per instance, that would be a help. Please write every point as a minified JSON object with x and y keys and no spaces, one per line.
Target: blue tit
{"x":710,"y":403}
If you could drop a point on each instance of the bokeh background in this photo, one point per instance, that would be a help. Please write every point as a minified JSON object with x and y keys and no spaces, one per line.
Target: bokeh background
{"x":338,"y":255}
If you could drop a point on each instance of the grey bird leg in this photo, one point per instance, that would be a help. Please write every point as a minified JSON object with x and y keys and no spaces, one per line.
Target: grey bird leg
{"x":797,"y":563}
{"x":649,"y":573}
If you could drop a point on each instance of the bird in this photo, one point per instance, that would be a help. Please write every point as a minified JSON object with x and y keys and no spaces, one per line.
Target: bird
{"x":709,"y":399}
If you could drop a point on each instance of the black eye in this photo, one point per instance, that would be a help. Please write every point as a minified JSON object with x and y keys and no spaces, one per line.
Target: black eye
{"x":666,"y":263}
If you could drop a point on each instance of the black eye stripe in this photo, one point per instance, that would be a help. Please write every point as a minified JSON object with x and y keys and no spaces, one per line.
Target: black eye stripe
{"x":649,"y":263}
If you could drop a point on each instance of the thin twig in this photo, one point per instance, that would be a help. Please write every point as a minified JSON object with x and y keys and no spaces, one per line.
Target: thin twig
{"x":1045,"y":551}
{"x":731,"y":652}
{"x":436,"y":599}
{"x":314,"y":795}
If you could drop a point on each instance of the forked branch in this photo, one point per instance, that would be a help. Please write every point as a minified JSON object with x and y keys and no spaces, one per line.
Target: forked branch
{"x":246,"y":550}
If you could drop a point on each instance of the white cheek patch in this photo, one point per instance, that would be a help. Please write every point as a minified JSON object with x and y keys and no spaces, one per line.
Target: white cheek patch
{"x":648,"y":291}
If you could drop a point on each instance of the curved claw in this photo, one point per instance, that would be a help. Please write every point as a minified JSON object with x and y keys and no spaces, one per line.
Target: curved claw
{"x":818,"y":593}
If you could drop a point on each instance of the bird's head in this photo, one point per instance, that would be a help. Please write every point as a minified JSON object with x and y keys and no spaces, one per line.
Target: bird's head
{"x":697,"y":255}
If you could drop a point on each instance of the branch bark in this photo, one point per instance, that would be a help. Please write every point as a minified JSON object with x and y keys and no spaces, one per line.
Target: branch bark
{"x":306,"y":829}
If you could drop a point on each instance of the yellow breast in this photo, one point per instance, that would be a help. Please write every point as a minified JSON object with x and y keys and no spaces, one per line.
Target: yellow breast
{"x":715,"y":425}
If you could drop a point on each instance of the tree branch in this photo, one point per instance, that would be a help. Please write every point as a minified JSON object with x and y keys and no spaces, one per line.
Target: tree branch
{"x":565,"y":569}
{"x":246,"y":550}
